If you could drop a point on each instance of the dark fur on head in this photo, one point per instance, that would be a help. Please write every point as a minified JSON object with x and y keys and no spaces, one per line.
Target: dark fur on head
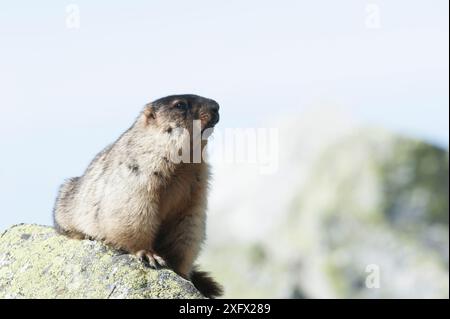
{"x":179,"y":111}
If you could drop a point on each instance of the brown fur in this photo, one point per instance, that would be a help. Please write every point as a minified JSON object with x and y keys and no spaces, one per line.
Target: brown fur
{"x":134,"y":197}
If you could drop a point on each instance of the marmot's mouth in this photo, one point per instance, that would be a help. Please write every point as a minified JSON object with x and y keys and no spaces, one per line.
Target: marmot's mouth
{"x":210,"y":120}
{"x":215,"y":117}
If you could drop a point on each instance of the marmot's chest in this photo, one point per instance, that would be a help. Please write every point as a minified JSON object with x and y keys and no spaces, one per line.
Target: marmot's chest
{"x":181,"y":192}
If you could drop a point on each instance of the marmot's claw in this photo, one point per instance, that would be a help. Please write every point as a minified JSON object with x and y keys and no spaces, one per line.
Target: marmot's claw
{"x":160,"y":261}
{"x":151,"y":258}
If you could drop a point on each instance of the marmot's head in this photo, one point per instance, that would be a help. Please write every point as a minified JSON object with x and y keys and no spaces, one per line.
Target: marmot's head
{"x":180,"y":111}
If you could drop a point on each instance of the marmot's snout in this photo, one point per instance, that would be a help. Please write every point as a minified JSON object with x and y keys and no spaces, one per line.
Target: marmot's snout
{"x":181,"y":111}
{"x":210,"y":114}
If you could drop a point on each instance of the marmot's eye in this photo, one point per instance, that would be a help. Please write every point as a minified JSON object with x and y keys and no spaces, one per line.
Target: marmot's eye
{"x":181,"y":105}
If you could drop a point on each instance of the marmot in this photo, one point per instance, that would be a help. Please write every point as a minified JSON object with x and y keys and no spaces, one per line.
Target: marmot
{"x":135,"y":197}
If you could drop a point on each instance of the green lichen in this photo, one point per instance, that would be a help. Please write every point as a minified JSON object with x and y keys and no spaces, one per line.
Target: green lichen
{"x":35,"y":262}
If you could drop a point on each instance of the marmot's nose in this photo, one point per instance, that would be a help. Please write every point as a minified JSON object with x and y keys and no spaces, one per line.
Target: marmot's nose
{"x":213,"y":106}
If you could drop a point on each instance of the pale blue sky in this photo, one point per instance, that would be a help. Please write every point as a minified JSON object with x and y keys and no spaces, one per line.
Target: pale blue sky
{"x":66,"y":93}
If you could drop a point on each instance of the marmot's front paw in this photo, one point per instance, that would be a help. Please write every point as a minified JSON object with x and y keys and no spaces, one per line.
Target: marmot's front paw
{"x":154,"y":260}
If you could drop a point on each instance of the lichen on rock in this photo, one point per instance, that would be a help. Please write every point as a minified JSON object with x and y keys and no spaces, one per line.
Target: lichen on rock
{"x":36,"y":262}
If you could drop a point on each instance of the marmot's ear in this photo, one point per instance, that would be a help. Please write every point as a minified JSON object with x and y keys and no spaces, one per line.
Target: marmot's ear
{"x":149,"y":113}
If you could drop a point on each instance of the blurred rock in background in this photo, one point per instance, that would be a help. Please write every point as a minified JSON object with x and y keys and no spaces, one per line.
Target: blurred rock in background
{"x":351,"y":213}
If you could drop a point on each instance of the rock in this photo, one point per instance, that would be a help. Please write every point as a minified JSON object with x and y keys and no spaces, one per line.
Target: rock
{"x":36,"y":262}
